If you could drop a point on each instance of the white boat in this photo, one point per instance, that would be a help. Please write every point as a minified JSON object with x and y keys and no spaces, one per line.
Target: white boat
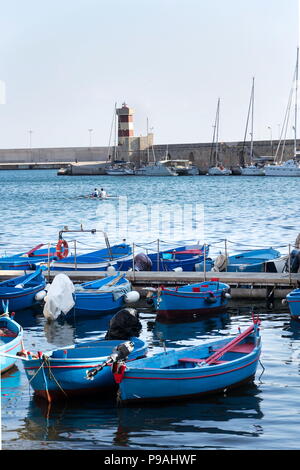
{"x":159,"y":168}
{"x":252,"y":170}
{"x":184,"y":167}
{"x":218,"y":169}
{"x":119,"y":170}
{"x":290,"y":167}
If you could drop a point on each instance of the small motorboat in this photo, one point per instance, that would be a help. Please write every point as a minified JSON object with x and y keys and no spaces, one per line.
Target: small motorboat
{"x":293,"y":301}
{"x":185,"y":258}
{"x":11,"y":342}
{"x":23,"y":291}
{"x":61,"y":373}
{"x":189,"y":372}
{"x":204,"y":298}
{"x":28,"y":260}
{"x":96,"y":298}
{"x":95,"y":261}
{"x":261,"y":260}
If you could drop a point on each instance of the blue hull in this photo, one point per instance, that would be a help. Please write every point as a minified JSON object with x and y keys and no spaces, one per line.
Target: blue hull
{"x":87,"y":307}
{"x":63,"y":375}
{"x":11,"y":336}
{"x":293,"y":300}
{"x":250,"y":261}
{"x":24,"y":262}
{"x":180,"y":373}
{"x":20,"y":298}
{"x":170,"y":259}
{"x":90,"y":301}
{"x":196,"y":299}
{"x":95,"y":261}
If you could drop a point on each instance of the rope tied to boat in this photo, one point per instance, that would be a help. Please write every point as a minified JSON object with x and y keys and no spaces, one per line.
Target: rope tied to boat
{"x":45,"y":361}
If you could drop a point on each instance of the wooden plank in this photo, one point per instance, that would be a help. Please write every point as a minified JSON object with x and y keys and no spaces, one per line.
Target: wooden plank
{"x":170,"y":277}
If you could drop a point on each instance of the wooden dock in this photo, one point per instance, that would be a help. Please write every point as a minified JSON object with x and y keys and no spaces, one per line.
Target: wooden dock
{"x":243,"y":284}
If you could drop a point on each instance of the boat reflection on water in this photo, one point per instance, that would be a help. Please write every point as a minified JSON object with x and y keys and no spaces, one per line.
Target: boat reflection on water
{"x":200,"y":419}
{"x":58,"y":422}
{"x":101,"y":422}
{"x":175,"y":334}
{"x":10,"y":385}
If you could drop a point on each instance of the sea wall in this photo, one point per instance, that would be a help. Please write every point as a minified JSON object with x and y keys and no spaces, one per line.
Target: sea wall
{"x":201,"y":154}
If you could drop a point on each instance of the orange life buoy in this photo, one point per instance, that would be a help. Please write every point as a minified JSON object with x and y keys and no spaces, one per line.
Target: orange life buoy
{"x":62,"y":249}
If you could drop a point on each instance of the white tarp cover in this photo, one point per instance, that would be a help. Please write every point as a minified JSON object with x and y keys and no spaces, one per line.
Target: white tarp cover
{"x":59,"y":297}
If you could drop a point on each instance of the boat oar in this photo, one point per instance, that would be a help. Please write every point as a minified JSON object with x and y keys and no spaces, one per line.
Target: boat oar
{"x":22,"y":358}
{"x":29,"y":253}
{"x":119,"y":353}
{"x":220,"y":352}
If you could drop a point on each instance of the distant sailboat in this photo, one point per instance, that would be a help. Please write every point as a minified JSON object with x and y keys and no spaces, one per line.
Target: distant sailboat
{"x":155,"y":168}
{"x":290,"y":167}
{"x":252,"y":169}
{"x":218,"y":169}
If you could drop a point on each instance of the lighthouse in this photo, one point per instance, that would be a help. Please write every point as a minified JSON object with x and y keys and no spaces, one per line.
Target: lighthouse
{"x":125,"y":123}
{"x":129,"y":146}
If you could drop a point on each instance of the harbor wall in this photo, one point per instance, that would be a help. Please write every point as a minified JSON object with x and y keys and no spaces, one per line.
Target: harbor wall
{"x":201,"y":154}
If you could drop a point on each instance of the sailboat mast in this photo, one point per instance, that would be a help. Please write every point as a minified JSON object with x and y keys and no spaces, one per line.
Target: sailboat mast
{"x":296,"y":102}
{"x":147,"y":141}
{"x":115,"y":133}
{"x":217,"y":131}
{"x":252,"y":121}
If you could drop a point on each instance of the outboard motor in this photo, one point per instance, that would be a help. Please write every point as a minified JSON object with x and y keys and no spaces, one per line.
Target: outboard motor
{"x":142,"y":262}
{"x":119,"y":354}
{"x":124,"y":324}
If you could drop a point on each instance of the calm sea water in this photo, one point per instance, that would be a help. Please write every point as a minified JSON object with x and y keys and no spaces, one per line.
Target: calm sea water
{"x":35,"y":205}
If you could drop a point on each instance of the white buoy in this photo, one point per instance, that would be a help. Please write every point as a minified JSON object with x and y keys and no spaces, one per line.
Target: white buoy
{"x":178,"y":270}
{"x":284,"y":302}
{"x":132,"y":297}
{"x":227,"y":295}
{"x":39,"y":296}
{"x":110,"y":271}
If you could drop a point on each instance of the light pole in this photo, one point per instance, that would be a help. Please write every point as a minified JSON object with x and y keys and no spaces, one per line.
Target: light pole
{"x":90,"y":132}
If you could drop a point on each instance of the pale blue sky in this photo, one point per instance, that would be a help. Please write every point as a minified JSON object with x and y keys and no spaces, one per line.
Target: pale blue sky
{"x":66,"y":62}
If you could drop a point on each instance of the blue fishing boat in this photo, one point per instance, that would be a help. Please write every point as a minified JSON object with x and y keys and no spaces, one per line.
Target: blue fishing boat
{"x":95,"y":261}
{"x":90,"y":299}
{"x":293,"y":301}
{"x":11,"y":342}
{"x":21,"y":291}
{"x":183,"y":258}
{"x":28,"y":260}
{"x":103,"y":297}
{"x":189,"y":372}
{"x":204,"y":298}
{"x":262,"y":260}
{"x":61,"y":374}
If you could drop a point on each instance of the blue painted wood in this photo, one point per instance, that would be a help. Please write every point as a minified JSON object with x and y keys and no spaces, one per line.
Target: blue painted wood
{"x":11,"y":335}
{"x":20,"y":291}
{"x":63,"y":373}
{"x":293,"y":300}
{"x":193,"y":299}
{"x":168,"y":375}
